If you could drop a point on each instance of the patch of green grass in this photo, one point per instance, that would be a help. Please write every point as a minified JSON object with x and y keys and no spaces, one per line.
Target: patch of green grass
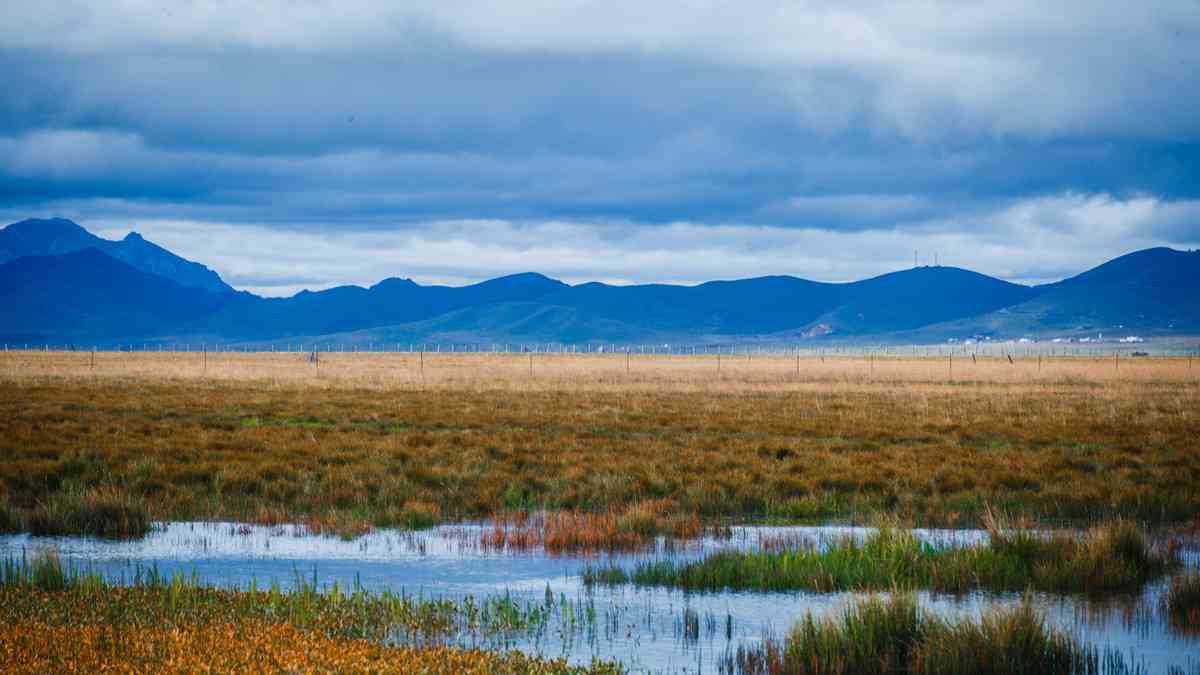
{"x":1111,"y":558}
{"x":307,"y":422}
{"x":878,"y":637}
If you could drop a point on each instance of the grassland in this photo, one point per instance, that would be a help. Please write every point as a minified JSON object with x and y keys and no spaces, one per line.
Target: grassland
{"x":653,"y":445}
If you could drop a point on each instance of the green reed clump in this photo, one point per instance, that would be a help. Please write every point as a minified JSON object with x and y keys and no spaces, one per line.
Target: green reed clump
{"x":100,"y":513}
{"x":31,"y":586}
{"x":1113,"y":557}
{"x":1182,"y":602}
{"x":44,"y":573}
{"x":1004,"y":641}
{"x":875,"y":636}
{"x":1109,"y":558}
{"x":889,"y":557}
{"x":10,"y":519}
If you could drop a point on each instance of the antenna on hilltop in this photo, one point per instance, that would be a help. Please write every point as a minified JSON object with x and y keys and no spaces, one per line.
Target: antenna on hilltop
{"x":935,"y":260}
{"x":914,"y":257}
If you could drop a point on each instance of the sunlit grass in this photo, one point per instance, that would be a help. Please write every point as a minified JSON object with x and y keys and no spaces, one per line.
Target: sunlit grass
{"x":37,"y":646}
{"x":158,"y":623}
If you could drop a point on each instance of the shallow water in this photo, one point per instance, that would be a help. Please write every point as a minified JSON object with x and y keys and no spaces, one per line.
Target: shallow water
{"x":657,"y":630}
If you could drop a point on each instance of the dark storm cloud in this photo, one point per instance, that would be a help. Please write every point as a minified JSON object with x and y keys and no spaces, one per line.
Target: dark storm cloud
{"x":928,"y":120}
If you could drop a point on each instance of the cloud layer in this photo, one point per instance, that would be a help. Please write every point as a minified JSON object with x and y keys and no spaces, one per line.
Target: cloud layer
{"x":670,"y":141}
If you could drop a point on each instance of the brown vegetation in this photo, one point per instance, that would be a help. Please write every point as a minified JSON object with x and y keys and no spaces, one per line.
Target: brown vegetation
{"x":368,"y":439}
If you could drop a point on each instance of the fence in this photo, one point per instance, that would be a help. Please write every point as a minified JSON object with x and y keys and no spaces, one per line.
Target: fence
{"x":732,"y":349}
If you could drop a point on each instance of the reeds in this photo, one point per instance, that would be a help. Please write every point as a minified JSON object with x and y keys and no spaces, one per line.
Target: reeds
{"x":882,"y":637}
{"x":1107,"y":558}
{"x":157,"y":623}
{"x":103,"y":513}
{"x":636,"y":526}
{"x":1182,"y":603}
{"x":11,"y":519}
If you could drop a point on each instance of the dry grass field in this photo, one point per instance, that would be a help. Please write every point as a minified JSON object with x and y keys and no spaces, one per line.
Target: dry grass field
{"x":637,"y":445}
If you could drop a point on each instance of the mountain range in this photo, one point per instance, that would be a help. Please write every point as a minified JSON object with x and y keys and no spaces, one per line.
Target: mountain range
{"x":61,"y":284}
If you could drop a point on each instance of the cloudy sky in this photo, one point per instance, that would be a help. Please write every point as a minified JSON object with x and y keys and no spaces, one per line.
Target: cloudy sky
{"x":292,"y":144}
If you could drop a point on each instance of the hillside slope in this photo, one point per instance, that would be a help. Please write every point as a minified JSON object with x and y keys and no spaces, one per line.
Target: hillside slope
{"x":87,"y":296}
{"x":57,"y":236}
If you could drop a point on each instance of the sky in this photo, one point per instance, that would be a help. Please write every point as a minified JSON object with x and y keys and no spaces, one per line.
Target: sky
{"x":292,"y":144}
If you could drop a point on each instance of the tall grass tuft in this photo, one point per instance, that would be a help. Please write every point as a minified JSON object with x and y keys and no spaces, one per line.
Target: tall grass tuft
{"x":100,"y":513}
{"x":1116,"y":556}
{"x":10,"y":519}
{"x":878,"y":637}
{"x":1182,"y":603}
{"x":873,"y":636}
{"x":414,"y":515}
{"x":44,"y":572}
{"x":1006,"y":641}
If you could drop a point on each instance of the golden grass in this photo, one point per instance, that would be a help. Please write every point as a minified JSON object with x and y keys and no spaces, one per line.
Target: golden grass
{"x":33,"y":646}
{"x":366,"y":439}
{"x":56,"y":619}
{"x":593,"y":371}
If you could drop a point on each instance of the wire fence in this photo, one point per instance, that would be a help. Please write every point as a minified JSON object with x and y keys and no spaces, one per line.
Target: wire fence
{"x":1134,"y":349}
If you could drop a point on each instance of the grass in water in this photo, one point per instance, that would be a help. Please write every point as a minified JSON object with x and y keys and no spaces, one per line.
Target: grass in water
{"x":10,"y":519}
{"x":1108,"y":558}
{"x":876,"y":636}
{"x":1182,"y":603}
{"x":56,"y":619}
{"x":635,"y":526}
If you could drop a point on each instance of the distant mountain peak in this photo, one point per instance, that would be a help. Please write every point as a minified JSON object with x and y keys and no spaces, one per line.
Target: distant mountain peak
{"x":58,"y":236}
{"x":42,"y":229}
{"x":59,"y":223}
